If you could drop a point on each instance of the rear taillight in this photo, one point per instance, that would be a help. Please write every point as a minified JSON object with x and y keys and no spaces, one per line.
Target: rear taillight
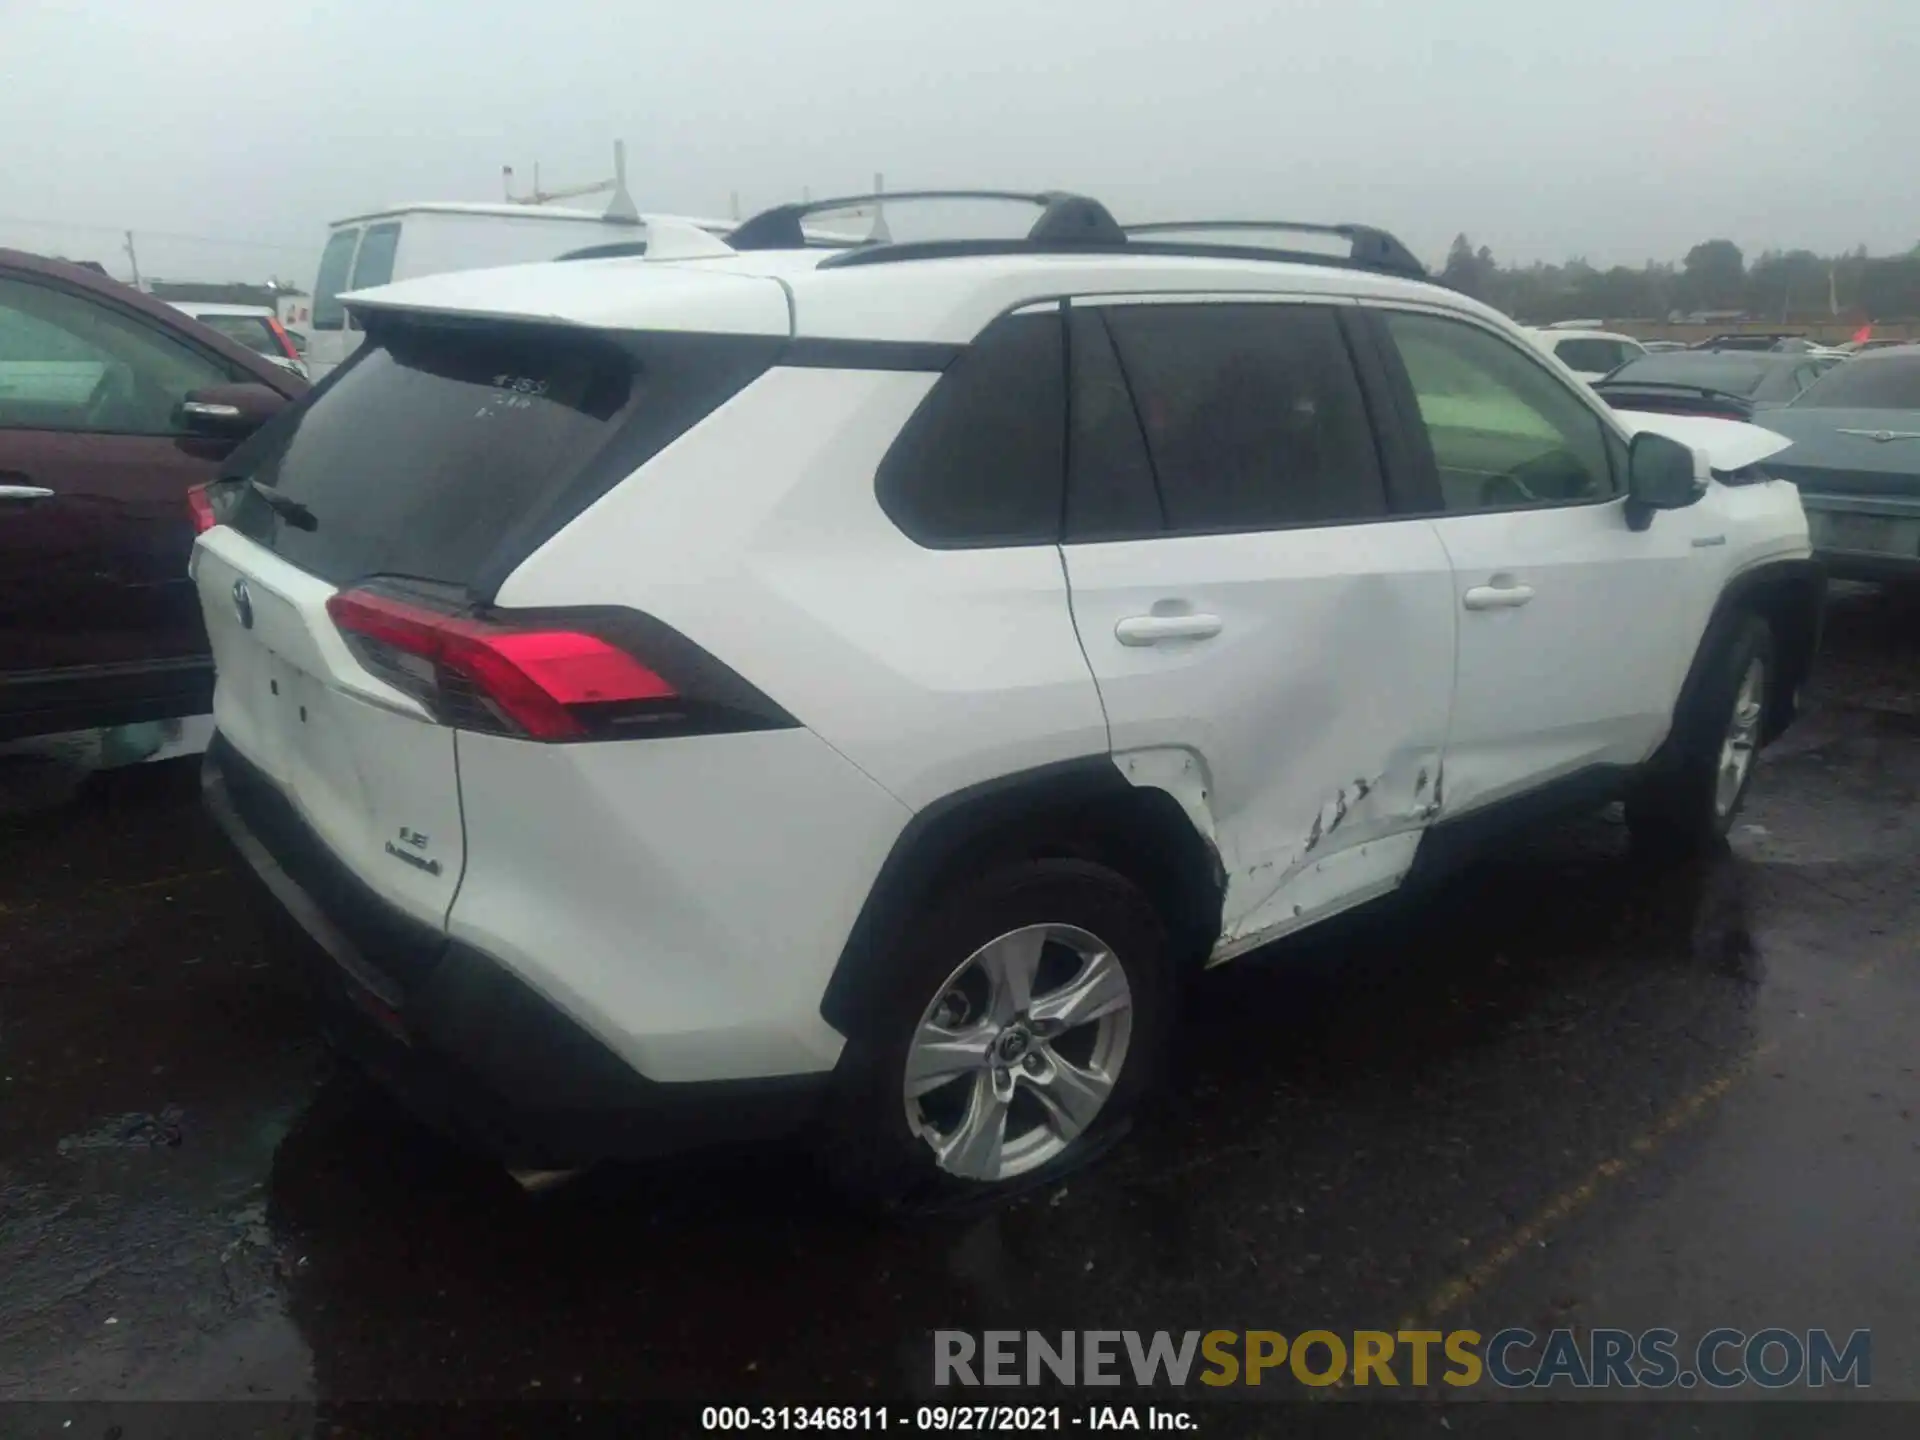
{"x":200,"y":506}
{"x":287,"y":346}
{"x":552,"y":678}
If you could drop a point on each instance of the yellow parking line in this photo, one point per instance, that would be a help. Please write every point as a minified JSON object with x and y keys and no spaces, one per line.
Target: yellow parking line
{"x":1567,"y":1202}
{"x":1464,"y":1286}
{"x":172,"y":880}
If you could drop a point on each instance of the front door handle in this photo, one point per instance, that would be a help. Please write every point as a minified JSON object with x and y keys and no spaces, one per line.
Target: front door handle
{"x":24,"y":492}
{"x":1152,"y":629}
{"x":1497,"y":597}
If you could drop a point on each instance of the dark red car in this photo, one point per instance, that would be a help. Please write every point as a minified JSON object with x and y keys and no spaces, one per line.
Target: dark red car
{"x":112,"y":407}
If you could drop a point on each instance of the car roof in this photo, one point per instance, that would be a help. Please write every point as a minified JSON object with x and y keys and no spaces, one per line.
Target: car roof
{"x":497,"y":210}
{"x":1903,"y":350}
{"x":113,"y":292}
{"x":1548,"y":332}
{"x":948,"y":299}
{"x":208,"y":307}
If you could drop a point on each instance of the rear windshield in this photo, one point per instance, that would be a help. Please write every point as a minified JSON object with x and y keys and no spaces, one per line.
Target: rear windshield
{"x":1590,"y":356}
{"x":1731,"y":374}
{"x":251,"y":331}
{"x":448,"y":453}
{"x":1882,"y":383}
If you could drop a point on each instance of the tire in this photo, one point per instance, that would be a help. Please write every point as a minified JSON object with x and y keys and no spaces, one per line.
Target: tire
{"x":1086,"y":935}
{"x":1689,"y":803}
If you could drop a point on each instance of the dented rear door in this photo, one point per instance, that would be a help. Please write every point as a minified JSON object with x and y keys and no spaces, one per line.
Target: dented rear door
{"x":1269,"y":642}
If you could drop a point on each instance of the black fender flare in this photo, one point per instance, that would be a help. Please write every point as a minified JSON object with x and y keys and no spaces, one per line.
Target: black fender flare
{"x":1021,"y":812}
{"x":1791,"y":596}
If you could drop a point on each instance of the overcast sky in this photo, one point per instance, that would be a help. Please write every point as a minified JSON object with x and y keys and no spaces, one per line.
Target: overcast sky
{"x":1618,"y":130}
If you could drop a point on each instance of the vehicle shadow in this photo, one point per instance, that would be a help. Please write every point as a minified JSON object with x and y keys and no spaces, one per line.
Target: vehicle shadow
{"x":1346,"y":1118}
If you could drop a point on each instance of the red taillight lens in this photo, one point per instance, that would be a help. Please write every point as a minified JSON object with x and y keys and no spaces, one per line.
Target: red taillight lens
{"x":287,"y":346}
{"x":200,"y":506}
{"x":542,"y":683}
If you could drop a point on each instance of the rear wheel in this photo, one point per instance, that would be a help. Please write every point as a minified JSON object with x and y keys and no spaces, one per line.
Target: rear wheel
{"x":1026,"y":1013}
{"x":1691,"y":802}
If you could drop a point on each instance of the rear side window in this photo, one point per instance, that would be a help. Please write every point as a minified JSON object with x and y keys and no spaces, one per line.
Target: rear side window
{"x":1252,"y":413}
{"x":336,"y":261}
{"x":982,"y":461}
{"x":449,"y":453}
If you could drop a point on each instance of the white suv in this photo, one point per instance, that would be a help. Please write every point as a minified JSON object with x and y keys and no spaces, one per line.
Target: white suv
{"x":759,"y":686}
{"x":1590,"y":354}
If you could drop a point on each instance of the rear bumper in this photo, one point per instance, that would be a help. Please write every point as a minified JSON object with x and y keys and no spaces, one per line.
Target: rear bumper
{"x":1865,"y":537}
{"x":461,"y":1040}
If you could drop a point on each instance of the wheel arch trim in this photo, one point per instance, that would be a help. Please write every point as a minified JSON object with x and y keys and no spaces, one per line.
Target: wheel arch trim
{"x":1010,"y":813}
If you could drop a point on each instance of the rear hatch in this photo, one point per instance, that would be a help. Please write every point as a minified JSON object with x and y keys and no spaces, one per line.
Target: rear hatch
{"x":362,"y":536}
{"x":1871,"y":454}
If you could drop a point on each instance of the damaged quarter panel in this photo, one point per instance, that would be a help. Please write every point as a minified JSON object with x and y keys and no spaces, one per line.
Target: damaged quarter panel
{"x":1305,"y":736}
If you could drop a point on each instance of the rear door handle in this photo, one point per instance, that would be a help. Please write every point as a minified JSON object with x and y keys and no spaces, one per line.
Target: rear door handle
{"x":1152,"y":629}
{"x":24,"y":492}
{"x":1497,"y":597}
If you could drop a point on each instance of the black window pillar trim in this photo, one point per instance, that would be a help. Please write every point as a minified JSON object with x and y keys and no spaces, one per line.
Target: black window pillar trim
{"x":1406,"y":451}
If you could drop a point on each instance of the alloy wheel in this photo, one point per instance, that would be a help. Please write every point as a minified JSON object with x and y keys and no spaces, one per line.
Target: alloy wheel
{"x":1018,"y":1052}
{"x":1742,"y":737}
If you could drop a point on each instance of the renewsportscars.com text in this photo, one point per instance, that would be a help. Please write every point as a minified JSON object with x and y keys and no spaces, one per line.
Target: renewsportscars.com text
{"x":1512,"y":1359}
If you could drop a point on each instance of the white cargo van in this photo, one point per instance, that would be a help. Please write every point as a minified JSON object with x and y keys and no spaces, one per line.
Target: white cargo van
{"x":406,"y":242}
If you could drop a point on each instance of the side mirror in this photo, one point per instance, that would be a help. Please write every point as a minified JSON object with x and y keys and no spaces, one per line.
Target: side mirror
{"x":227,"y":412}
{"x":1660,"y":476}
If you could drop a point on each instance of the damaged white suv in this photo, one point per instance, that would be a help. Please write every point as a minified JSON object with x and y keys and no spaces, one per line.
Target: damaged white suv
{"x":751,"y":686}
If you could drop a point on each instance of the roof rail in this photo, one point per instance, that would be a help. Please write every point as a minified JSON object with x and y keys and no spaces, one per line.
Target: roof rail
{"x":1064,"y":218}
{"x":1067,"y":222}
{"x":1368,"y":247}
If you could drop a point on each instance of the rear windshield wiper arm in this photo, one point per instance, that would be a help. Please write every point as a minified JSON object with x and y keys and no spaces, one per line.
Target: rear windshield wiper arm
{"x":287,"y":508}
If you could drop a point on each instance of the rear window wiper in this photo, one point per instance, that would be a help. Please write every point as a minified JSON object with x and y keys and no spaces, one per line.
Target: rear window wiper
{"x":287,"y":508}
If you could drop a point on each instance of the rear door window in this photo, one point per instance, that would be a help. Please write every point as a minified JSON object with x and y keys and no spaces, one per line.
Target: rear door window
{"x":981,"y":463}
{"x":336,"y":263}
{"x":1252,"y":414}
{"x":446,"y":452}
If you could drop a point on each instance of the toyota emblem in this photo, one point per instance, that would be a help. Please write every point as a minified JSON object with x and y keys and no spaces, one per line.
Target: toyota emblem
{"x":243,"y":604}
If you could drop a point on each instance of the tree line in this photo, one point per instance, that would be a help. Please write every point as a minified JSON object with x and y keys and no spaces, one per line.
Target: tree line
{"x":1783,"y":285}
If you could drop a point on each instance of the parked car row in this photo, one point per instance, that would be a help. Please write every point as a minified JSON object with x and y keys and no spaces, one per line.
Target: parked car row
{"x":1732,"y":384}
{"x":1855,"y":428}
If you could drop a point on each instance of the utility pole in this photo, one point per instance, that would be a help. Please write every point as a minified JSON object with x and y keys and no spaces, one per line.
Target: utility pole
{"x":134,"y":260}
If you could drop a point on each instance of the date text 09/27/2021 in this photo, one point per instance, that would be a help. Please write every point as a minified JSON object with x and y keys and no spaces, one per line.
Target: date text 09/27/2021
{"x":934,"y":1419}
